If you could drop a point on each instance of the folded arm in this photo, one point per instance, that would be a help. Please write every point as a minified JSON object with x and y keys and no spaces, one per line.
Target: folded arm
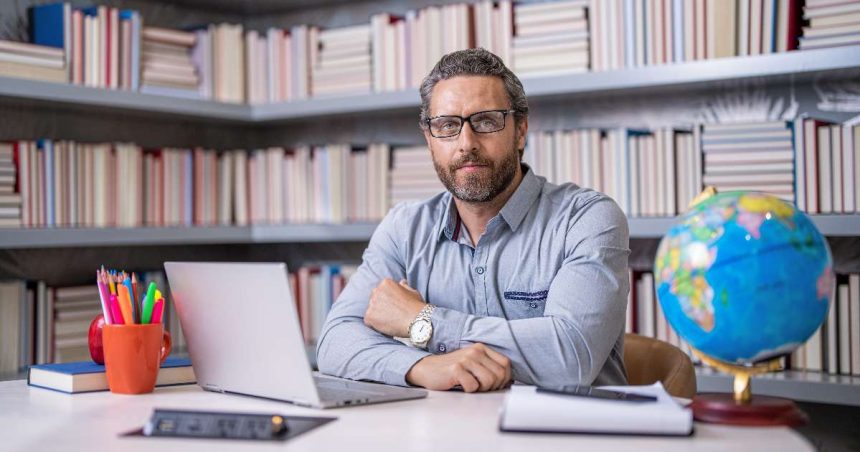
{"x":584,"y":315}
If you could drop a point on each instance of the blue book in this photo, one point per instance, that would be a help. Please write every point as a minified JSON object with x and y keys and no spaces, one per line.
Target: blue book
{"x":87,"y":376}
{"x":48,"y":24}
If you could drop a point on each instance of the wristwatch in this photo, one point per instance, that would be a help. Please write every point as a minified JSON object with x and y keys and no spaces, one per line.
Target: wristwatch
{"x":421,"y":329}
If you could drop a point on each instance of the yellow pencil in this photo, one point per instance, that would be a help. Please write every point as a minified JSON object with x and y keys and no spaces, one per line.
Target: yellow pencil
{"x":111,"y":284}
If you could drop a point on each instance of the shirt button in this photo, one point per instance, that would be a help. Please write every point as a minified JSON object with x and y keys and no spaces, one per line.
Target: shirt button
{"x":480,"y":270}
{"x":442,"y":348}
{"x":533,"y":305}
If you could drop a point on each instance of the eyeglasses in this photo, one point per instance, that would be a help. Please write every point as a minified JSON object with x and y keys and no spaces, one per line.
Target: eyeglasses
{"x":481,"y":122}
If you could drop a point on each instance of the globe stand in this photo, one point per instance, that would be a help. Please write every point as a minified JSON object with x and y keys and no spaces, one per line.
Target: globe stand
{"x":742,"y":408}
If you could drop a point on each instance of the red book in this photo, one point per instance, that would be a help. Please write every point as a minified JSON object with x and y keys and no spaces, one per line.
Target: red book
{"x":793,"y":24}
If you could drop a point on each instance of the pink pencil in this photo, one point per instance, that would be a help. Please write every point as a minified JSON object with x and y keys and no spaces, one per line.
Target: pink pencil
{"x":116,"y":312}
{"x":157,"y":311}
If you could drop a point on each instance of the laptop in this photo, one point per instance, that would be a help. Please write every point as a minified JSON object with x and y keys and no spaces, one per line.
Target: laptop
{"x":243,"y":335}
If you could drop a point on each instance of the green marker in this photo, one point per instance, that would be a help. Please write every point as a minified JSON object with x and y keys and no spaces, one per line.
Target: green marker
{"x":148,"y":303}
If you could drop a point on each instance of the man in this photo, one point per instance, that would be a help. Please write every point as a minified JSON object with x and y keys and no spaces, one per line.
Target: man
{"x":504,"y":277}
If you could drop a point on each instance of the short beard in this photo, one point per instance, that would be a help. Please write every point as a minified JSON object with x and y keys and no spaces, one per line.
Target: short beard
{"x":478,"y":188}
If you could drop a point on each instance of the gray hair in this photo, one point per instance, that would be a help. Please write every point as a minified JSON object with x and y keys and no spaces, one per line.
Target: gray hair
{"x":479,"y":62}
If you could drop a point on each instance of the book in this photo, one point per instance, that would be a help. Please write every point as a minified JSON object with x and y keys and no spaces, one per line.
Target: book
{"x":526,"y":410}
{"x":87,"y":376}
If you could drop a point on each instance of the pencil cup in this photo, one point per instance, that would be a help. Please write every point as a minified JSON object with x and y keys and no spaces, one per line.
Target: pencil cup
{"x":133,"y":355}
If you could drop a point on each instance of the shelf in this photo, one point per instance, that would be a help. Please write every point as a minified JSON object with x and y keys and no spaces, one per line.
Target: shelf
{"x":97,"y":99}
{"x":797,"y":385}
{"x":829,"y":225}
{"x":204,"y":235}
{"x":794,"y":66}
{"x":640,"y":228}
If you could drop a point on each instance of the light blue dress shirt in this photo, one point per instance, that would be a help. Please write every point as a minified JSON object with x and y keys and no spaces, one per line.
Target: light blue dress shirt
{"x":546,"y":285}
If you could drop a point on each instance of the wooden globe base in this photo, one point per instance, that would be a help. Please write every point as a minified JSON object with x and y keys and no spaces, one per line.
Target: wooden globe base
{"x":759,"y":411}
{"x":741,"y":407}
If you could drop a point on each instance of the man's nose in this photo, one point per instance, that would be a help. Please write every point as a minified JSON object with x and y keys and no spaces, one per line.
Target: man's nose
{"x":468,"y":139}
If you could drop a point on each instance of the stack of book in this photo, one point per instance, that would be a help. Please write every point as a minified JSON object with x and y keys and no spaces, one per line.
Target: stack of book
{"x":390,"y":67}
{"x":432,"y":33}
{"x":831,"y":24}
{"x":494,"y":27}
{"x":647,"y":173}
{"x":10,"y":201}
{"x":827,"y":171}
{"x":74,"y":309}
{"x":316,"y":288}
{"x":632,"y":34}
{"x":550,"y":38}
{"x":101,"y":44}
{"x":341,"y":61}
{"x":168,"y":68}
{"x":665,"y":171}
{"x":413,"y":177}
{"x":34,"y":62}
{"x":367,"y":195}
{"x":749,"y":156}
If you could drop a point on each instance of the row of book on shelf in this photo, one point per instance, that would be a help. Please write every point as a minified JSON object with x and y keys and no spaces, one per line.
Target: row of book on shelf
{"x":834,"y":348}
{"x":41,"y":324}
{"x":108,"y":47}
{"x":812,"y":163}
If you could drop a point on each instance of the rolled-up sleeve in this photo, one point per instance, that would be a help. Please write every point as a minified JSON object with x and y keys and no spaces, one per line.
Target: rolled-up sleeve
{"x":347,"y":347}
{"x":584,"y":315}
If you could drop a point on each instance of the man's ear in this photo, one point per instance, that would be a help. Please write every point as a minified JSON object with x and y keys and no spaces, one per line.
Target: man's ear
{"x":522,"y":132}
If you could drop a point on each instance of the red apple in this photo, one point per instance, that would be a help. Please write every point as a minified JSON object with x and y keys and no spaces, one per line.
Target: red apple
{"x":97,"y":352}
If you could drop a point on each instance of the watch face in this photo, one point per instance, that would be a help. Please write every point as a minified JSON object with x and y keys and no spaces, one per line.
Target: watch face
{"x":420,"y":332}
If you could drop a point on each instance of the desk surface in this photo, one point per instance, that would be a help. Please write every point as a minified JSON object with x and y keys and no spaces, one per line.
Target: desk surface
{"x":38,"y":419}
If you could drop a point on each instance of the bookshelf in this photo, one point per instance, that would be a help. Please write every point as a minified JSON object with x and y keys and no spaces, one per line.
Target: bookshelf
{"x":669,"y":91}
{"x":804,"y":386}
{"x":640,"y":228}
{"x":795,"y":67}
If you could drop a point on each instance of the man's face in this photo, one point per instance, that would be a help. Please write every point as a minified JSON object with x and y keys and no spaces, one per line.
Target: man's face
{"x":475,"y":167}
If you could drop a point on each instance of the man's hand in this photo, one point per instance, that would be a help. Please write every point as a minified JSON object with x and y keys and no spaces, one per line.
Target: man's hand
{"x":392,"y":307}
{"x":474,"y":368}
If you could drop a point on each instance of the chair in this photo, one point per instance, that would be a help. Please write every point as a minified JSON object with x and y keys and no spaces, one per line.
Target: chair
{"x":650,"y":360}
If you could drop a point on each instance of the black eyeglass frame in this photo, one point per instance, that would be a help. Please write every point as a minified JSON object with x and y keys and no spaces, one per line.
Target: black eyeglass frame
{"x":468,"y":119}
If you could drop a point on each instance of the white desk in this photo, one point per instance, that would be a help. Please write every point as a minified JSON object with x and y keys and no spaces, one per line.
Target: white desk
{"x":33,"y":419}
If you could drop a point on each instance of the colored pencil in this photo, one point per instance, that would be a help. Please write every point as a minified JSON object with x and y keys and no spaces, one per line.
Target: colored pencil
{"x":115,"y":309}
{"x":104,"y":298}
{"x":158,"y":311}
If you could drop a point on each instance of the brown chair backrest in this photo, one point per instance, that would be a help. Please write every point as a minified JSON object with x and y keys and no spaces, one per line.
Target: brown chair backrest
{"x":650,"y":360}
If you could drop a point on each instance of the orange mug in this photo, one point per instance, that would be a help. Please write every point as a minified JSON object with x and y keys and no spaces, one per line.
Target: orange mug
{"x":133,"y":355}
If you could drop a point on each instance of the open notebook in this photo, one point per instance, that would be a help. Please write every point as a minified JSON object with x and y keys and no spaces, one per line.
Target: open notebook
{"x":527,"y":410}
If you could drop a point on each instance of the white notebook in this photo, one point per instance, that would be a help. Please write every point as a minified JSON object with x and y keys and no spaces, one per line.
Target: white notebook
{"x":526,"y":410}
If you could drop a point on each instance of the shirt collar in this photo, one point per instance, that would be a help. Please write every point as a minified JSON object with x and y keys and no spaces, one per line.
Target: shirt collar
{"x":513,"y":211}
{"x":521,"y":201}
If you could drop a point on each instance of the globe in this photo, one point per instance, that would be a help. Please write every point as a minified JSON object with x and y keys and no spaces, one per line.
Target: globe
{"x":744,"y":277}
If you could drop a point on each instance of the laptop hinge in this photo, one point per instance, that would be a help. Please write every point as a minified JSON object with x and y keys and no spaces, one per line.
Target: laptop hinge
{"x":211,"y":387}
